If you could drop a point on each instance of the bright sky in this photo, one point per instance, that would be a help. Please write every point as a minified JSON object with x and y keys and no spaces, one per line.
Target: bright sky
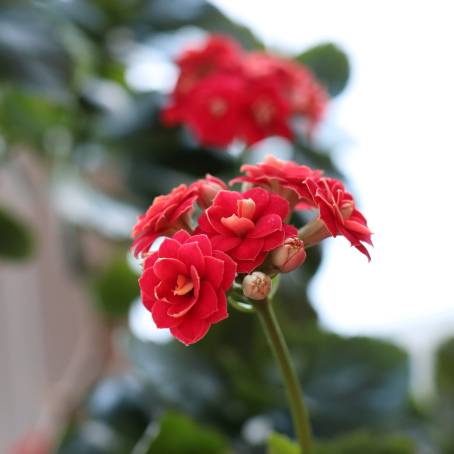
{"x":398,"y":116}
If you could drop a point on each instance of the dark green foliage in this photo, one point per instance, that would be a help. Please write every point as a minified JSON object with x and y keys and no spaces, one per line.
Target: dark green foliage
{"x":178,"y":434}
{"x":16,"y":241}
{"x":115,"y":288}
{"x":330,"y":65}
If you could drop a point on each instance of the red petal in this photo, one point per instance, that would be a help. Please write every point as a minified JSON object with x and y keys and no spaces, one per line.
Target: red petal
{"x":225,"y":243}
{"x":277,"y":205}
{"x":227,"y":200}
{"x":239,"y":226}
{"x":204,"y":243}
{"x":190,"y":330}
{"x":169,"y":248}
{"x":160,"y":317}
{"x":207,"y":304}
{"x":221,"y":313}
{"x":273,"y":241}
{"x":265,"y":226}
{"x":229,"y":269}
{"x":190,"y":254}
{"x":248,"y":266}
{"x":248,"y":249}
{"x":261,"y":199}
{"x":205,"y":225}
{"x":214,"y":271}
{"x":168,"y":269}
{"x":181,"y":236}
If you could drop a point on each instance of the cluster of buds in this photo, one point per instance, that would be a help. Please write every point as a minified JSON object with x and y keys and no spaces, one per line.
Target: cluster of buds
{"x":235,"y":240}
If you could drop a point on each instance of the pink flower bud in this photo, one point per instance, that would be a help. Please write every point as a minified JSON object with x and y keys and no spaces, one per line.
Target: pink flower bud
{"x":289,"y":256}
{"x":257,"y":285}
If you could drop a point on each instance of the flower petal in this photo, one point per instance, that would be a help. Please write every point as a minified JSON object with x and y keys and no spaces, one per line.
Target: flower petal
{"x":247,"y":266}
{"x":261,"y":199}
{"x":221,"y":313}
{"x":204,"y":243}
{"x":248,"y":249}
{"x":169,"y":248}
{"x":190,"y":254}
{"x":160,"y":317}
{"x":225,"y":243}
{"x":229,"y":269}
{"x":265,"y":226}
{"x":167,"y":268}
{"x":191,"y":330}
{"x":207,"y":304}
{"x":214,"y":271}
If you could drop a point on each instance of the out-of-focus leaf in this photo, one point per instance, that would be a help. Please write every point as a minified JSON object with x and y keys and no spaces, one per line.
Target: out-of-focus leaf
{"x":31,"y":52}
{"x":15,"y":239}
{"x":180,"y":435}
{"x":27,"y":117}
{"x":329,"y":64}
{"x":280,"y":444}
{"x":351,"y":382}
{"x":445,"y":369}
{"x":121,"y":403}
{"x":115,"y":288}
{"x":363,"y":442}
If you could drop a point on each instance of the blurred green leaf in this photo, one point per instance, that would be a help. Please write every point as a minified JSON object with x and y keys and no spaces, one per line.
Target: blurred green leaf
{"x":15,"y":239}
{"x":363,"y":442}
{"x":115,"y":288}
{"x":329,"y":64}
{"x":280,"y":444}
{"x":178,"y":434}
{"x":445,"y":368}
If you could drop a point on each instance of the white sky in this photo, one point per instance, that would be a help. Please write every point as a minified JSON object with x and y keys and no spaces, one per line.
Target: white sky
{"x":398,"y":110}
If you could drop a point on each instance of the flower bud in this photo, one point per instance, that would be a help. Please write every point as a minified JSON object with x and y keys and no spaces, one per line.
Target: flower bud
{"x":257,"y":285}
{"x":289,"y":256}
{"x":207,"y":190}
{"x":314,"y":232}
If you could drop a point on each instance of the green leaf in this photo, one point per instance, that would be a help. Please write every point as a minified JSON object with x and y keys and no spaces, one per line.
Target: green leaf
{"x":329,"y":64}
{"x":364,"y":442}
{"x":280,"y":444}
{"x":445,"y":368}
{"x":15,"y":239}
{"x":180,"y":435}
{"x":115,"y":288}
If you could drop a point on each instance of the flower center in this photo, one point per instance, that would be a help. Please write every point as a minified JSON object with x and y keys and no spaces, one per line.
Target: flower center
{"x":241,"y":222}
{"x":263,"y":112}
{"x":184,"y":285}
{"x":218,"y":107}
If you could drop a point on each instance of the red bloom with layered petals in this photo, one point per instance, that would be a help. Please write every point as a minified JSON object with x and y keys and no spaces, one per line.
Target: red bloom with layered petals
{"x":339,"y":214}
{"x":247,"y":225}
{"x":285,"y":178}
{"x":184,"y":285}
{"x":166,"y":215}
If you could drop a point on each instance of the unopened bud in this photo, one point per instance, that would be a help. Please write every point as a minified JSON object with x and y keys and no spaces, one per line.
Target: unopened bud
{"x":289,"y":256}
{"x":257,"y":286}
{"x":314,"y":232}
{"x":208,"y":189}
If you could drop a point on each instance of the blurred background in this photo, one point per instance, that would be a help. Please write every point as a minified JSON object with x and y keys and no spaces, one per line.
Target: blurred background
{"x":83,"y":152}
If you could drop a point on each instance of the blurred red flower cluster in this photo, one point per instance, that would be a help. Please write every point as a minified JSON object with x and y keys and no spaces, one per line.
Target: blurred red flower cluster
{"x":224,"y":93}
{"x":231,"y":234}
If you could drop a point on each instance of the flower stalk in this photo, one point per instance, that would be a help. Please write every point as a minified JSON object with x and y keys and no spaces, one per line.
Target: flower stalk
{"x":279,"y":347}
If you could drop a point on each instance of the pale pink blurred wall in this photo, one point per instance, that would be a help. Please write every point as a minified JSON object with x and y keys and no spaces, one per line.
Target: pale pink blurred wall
{"x":41,"y":307}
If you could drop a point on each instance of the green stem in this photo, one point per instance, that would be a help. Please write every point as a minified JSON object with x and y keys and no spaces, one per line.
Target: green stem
{"x":295,"y":396}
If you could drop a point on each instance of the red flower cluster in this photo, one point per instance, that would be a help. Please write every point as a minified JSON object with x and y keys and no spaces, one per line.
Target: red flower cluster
{"x":224,"y":93}
{"x":186,"y":279}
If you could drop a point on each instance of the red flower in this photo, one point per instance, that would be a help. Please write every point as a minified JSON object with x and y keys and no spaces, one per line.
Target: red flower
{"x":167,"y":214}
{"x":214,"y":109}
{"x":296,"y":83}
{"x":265,"y":112}
{"x":206,"y":190}
{"x":218,"y":53}
{"x":184,"y":285}
{"x":339,"y":214}
{"x":247,"y":226}
{"x":285,"y":178}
